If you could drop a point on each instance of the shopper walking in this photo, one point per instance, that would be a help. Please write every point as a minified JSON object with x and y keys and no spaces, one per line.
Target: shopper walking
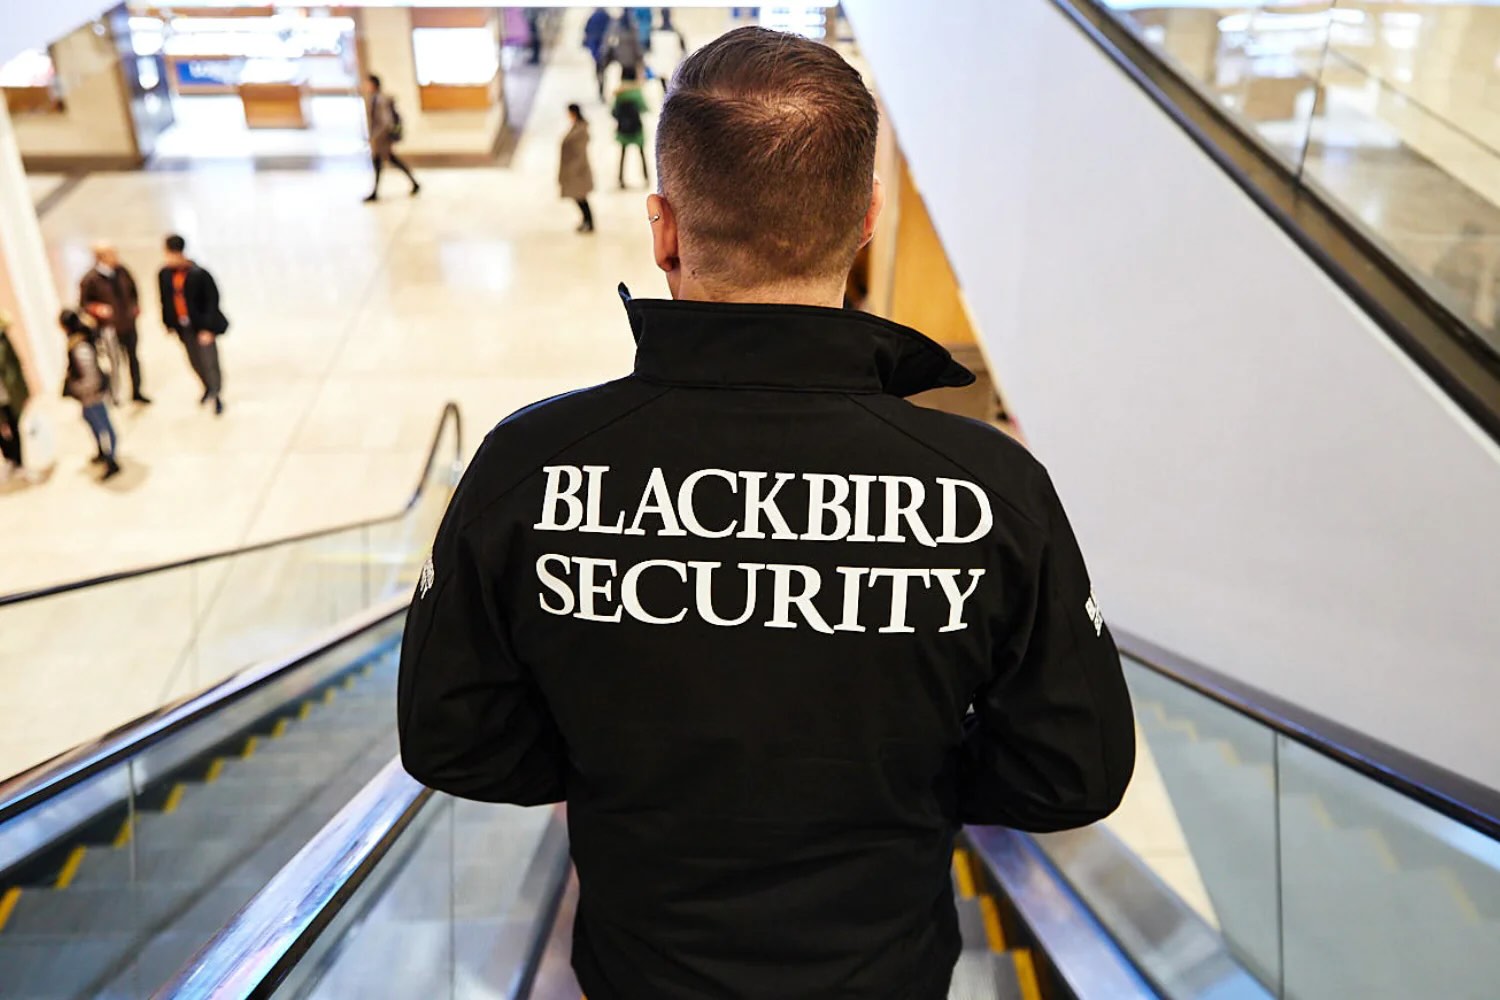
{"x":87,"y":382}
{"x":574,"y":173}
{"x":13,"y":396}
{"x":771,"y":631}
{"x":108,"y":295}
{"x":630,"y":125}
{"x":596,"y":40}
{"x":384,"y":124}
{"x":625,"y":48}
{"x":190,"y":309}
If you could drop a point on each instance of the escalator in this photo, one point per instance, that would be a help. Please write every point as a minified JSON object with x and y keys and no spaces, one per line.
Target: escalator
{"x":122,"y":856}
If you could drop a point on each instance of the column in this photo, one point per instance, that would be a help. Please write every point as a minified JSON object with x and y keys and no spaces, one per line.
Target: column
{"x":28,"y":295}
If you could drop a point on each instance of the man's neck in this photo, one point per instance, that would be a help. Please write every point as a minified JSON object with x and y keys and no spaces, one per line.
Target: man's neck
{"x":824,"y":293}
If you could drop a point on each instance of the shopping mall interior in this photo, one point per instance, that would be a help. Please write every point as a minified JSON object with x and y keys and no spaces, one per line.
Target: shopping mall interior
{"x":1229,"y":271}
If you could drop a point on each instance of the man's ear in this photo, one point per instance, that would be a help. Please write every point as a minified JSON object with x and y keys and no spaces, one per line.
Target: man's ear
{"x":663,"y":222}
{"x":872,"y":216}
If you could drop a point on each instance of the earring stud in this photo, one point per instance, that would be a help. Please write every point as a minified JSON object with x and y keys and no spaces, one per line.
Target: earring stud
{"x":654,"y":219}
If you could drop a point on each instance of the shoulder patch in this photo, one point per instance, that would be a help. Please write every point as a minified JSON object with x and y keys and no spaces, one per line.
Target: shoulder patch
{"x":1090,"y":607}
{"x":424,"y":581}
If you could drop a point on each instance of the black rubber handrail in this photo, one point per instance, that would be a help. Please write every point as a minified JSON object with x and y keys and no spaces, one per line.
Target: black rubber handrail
{"x":450,"y":413}
{"x":1441,"y":343}
{"x":1460,"y":799}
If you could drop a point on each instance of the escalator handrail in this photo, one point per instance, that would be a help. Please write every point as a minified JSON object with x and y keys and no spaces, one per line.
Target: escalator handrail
{"x":52,"y":777}
{"x":450,"y":413}
{"x":1452,"y":795}
{"x":1441,"y":343}
{"x":277,"y":927}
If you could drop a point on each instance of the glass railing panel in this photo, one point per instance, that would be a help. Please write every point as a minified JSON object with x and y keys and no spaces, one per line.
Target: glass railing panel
{"x":1382,"y":897}
{"x":404,"y":908}
{"x":1378,"y":108}
{"x":51,"y":642}
{"x":1201,"y":815}
{"x":262,"y":603}
{"x":1425,"y":189}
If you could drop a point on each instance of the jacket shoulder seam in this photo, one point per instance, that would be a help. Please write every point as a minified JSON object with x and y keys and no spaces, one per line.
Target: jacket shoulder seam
{"x":492,"y":501}
{"x":982,"y":480}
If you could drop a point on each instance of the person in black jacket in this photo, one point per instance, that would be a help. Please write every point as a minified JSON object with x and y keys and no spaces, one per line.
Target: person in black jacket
{"x":773,"y":633}
{"x":190,"y":309}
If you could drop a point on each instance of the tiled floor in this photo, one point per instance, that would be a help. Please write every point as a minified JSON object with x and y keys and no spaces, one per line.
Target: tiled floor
{"x":352,"y":325}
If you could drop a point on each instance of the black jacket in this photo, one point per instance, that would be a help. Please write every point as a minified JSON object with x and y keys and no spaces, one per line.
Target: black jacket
{"x":202,"y":297}
{"x":774,"y":634}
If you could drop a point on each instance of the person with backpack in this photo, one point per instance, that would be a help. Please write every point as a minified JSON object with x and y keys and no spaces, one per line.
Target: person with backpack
{"x":87,"y":382}
{"x":630,"y":127}
{"x":190,"y":309}
{"x":384,"y":123}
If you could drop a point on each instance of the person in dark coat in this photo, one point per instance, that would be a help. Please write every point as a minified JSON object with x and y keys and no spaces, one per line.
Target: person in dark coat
{"x":108,"y":295}
{"x":13,"y":396}
{"x":773,"y":632}
{"x":190,"y":309}
{"x":384,"y":124}
{"x":596,"y":40}
{"x":574,"y":173}
{"x":87,"y":382}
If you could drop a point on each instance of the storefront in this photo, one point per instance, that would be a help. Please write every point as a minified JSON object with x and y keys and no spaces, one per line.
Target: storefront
{"x":204,"y":79}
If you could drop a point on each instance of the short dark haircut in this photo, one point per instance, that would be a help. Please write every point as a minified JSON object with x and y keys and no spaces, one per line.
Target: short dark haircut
{"x":374,"y":81}
{"x":176,"y":244}
{"x":575,"y":111}
{"x":766,"y":151}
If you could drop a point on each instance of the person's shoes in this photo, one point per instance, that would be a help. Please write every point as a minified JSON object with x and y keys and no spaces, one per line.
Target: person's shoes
{"x":623,"y":187}
{"x":99,"y":459}
{"x":111,"y":470}
{"x":372,"y":196}
{"x":203,"y":400}
{"x":218,"y":407}
{"x":416,"y":189}
{"x":143,"y":400}
{"x":585,"y":228}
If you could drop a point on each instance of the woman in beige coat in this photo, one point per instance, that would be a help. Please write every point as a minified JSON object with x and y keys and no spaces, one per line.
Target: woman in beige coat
{"x":574,"y":174}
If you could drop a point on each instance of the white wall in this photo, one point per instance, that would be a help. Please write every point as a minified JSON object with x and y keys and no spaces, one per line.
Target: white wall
{"x":1260,"y":480}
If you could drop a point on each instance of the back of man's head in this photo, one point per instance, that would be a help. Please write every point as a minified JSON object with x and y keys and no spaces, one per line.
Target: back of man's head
{"x":766,"y":153}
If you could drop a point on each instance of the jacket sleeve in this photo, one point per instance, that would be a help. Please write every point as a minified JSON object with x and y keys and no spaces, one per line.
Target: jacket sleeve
{"x":472,"y":721}
{"x":1050,"y":744}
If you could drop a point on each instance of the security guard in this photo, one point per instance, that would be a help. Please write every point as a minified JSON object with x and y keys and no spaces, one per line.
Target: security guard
{"x":772,"y":632}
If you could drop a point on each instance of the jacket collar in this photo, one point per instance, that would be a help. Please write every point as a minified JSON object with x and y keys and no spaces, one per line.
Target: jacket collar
{"x":784,"y":347}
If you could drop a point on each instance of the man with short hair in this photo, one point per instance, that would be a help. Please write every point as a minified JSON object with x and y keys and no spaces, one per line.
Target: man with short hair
{"x":108,"y":294}
{"x":190,"y":309}
{"x":772,"y":632}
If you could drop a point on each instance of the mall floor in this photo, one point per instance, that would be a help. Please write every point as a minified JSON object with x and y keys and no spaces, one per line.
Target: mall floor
{"x":352,"y":325}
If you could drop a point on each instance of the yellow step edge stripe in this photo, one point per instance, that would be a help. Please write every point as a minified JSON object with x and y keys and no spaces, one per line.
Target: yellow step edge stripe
{"x":70,"y":867}
{"x":349,"y":682}
{"x":123,"y":837}
{"x":1026,"y":974}
{"x":8,"y":904}
{"x":369,"y":669}
{"x":328,"y":695}
{"x":963,"y":874}
{"x":279,"y":730}
{"x":250,"y":745}
{"x":992,"y":927}
{"x":174,"y":798}
{"x":215,"y":768}
{"x":305,"y":710}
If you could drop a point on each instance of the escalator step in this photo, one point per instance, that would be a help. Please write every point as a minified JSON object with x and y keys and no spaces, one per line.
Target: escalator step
{"x":985,"y":976}
{"x":33,"y":971}
{"x":971,"y":925}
